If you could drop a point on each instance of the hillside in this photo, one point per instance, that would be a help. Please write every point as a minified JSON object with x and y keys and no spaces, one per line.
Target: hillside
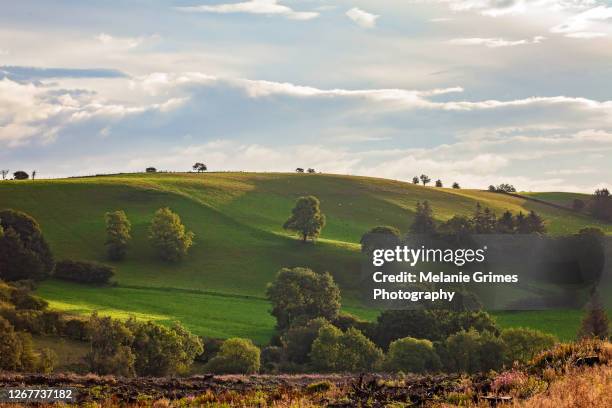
{"x":240,"y":244}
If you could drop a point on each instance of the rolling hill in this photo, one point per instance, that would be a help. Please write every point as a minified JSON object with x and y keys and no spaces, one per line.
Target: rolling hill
{"x":240,"y":244}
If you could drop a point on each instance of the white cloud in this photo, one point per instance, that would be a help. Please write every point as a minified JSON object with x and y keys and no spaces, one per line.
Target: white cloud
{"x":266,"y":7}
{"x":582,"y":25}
{"x":495,"y":42}
{"x":362,"y":18}
{"x":122,"y":42}
{"x":29,"y":112}
{"x":496,"y":8}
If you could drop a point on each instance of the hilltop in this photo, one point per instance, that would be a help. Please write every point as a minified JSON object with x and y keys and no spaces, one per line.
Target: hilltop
{"x":240,"y":244}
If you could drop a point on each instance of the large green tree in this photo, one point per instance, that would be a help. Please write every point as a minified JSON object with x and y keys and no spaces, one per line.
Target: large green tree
{"x":299,"y":295}
{"x":24,"y":253}
{"x":168,"y":235}
{"x":306,"y":218}
{"x":118,"y":236}
{"x":423,"y":222}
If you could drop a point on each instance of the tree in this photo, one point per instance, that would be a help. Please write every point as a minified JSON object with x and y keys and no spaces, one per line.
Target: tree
{"x":110,"y":347}
{"x":523,"y":344}
{"x":299,"y":170}
{"x":415,"y":180}
{"x":24,"y":253}
{"x":162,"y":351}
{"x":118,"y":236}
{"x":505,"y":188}
{"x":439,"y":183}
{"x":505,"y":223}
{"x":412,"y":355}
{"x":423,"y":222}
{"x":380,"y":237}
{"x":595,"y":322}
{"x":297,"y":341}
{"x":151,"y":170}
{"x":600,"y":205}
{"x":33,"y":174}
{"x":456,"y":185}
{"x":20,"y":175}
{"x":168,"y":235}
{"x":492,"y":188}
{"x":299,"y":295}
{"x":535,"y":223}
{"x":306,"y":218}
{"x":4,"y":174}
{"x":311,"y":170}
{"x":236,"y":356}
{"x":424,"y":179}
{"x":337,"y":351}
{"x":484,"y":220}
{"x":199,"y":167}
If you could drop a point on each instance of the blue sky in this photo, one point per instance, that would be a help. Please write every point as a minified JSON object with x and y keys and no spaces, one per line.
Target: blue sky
{"x":475,"y":91}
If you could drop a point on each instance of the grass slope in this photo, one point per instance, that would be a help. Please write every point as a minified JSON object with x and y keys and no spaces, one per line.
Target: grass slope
{"x":240,"y":245}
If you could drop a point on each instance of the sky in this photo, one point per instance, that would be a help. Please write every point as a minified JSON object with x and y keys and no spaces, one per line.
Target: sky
{"x":474,"y":91}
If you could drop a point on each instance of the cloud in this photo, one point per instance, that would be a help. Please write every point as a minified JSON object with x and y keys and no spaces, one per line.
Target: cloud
{"x":32,"y":73}
{"x":581,"y":25}
{"x":440,"y":19}
{"x":266,"y":7}
{"x":38,"y":112}
{"x":122,"y":42}
{"x":495,"y":42}
{"x":496,"y":8}
{"x":362,"y":18}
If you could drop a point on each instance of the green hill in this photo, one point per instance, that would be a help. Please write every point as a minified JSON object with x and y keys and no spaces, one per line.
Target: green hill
{"x":240,"y":244}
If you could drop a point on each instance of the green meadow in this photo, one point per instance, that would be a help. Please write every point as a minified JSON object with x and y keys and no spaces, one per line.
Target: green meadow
{"x":219,"y":289}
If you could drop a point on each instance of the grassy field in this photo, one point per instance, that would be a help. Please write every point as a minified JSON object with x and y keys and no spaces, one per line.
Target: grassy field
{"x":240,"y":245}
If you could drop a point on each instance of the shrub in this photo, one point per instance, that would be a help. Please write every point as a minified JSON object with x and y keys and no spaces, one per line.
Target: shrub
{"x":160,"y":350}
{"x":169,"y":237}
{"x":211,"y":348}
{"x":22,"y":299}
{"x":299,"y":294}
{"x":595,"y":322}
{"x":236,"y":356}
{"x":83,"y":272}
{"x":272,"y":357}
{"x":47,"y":360}
{"x":412,"y":355}
{"x":351,"y":351}
{"x":523,"y":344}
{"x":319,"y":387}
{"x":380,"y":237}
{"x":566,"y":355}
{"x":16,"y":351}
{"x":76,"y":329}
{"x":471,"y":352}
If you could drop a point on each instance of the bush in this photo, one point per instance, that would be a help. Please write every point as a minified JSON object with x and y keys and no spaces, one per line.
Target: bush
{"x":76,"y":329}
{"x":412,"y":355}
{"x":350,"y":351}
{"x":211,"y":348}
{"x":236,"y":356}
{"x":471,"y":352}
{"x":162,"y":351}
{"x":84,"y":272}
{"x":16,"y":351}
{"x":298,"y":340}
{"x":566,"y":355}
{"x":271,"y":358}
{"x":523,"y":344}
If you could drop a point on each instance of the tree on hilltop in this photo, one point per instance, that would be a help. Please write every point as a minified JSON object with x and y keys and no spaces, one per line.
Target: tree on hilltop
{"x":199,"y":167}
{"x":425,"y":179}
{"x":306,"y":218}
